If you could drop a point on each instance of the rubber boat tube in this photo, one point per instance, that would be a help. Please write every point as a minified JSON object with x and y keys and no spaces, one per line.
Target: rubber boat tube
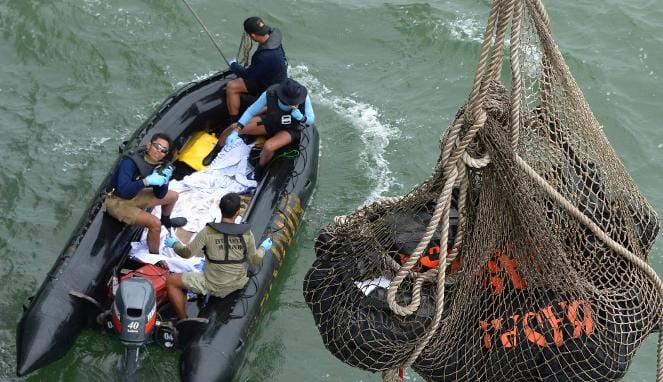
{"x":53,"y":319}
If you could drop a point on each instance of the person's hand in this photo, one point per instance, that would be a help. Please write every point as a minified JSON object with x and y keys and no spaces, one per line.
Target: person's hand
{"x":296,"y":114}
{"x":167,"y":171}
{"x":267,"y":244}
{"x":156,"y":179}
{"x":231,"y":138}
{"x":232,"y":61}
{"x":169,"y":241}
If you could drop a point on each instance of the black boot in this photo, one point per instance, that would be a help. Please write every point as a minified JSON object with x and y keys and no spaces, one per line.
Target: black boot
{"x":165,"y":221}
{"x":258,"y":173}
{"x":212,"y":154}
{"x":177,"y":222}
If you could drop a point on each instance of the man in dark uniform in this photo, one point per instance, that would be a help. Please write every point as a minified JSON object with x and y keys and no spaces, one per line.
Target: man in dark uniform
{"x":228,"y":248}
{"x":268,"y":67}
{"x":136,"y":186}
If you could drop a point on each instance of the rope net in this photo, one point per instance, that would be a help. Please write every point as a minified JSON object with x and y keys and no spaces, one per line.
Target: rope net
{"x":546,"y":238}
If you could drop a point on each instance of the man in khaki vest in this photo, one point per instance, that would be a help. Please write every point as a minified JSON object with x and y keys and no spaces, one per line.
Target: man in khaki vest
{"x":228,"y":249}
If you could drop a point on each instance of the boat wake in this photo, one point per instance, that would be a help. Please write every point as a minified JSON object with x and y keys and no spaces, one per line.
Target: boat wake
{"x":373,"y":131}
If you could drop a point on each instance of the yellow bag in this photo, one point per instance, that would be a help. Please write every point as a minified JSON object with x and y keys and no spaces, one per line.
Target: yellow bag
{"x":200,"y":144}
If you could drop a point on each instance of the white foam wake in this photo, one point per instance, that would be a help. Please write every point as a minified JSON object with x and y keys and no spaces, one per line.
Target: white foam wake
{"x":196,"y":77}
{"x":466,"y":29}
{"x":365,"y":118}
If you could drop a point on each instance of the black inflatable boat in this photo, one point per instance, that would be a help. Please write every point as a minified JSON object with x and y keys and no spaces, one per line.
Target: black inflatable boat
{"x":53,"y":318}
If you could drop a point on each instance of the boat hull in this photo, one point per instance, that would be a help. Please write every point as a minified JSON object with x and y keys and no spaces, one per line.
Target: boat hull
{"x":53,"y":318}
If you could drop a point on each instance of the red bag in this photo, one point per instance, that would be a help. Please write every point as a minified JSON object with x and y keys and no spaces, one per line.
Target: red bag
{"x":156,"y":275}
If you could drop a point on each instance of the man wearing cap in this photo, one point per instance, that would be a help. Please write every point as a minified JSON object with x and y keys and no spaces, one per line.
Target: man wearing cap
{"x":268,"y":65}
{"x":287,"y":107}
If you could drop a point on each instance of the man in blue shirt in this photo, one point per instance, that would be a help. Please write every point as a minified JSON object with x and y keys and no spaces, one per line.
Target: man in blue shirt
{"x":288,"y":107}
{"x":268,"y":65}
{"x":138,"y":183}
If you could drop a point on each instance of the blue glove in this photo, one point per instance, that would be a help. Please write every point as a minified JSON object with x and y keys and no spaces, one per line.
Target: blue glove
{"x":156,"y":179}
{"x":231,"y":138}
{"x":267,"y":244}
{"x":167,"y":171}
{"x":232,"y":61}
{"x":169,"y":241}
{"x":296,"y":114}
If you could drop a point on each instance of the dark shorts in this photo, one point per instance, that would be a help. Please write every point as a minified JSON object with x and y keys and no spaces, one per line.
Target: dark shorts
{"x":271,"y":129}
{"x":254,"y":87}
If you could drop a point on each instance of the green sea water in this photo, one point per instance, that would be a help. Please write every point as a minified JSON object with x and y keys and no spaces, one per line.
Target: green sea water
{"x":77,"y":77}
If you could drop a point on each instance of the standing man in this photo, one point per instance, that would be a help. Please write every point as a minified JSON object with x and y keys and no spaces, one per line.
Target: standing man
{"x":137,"y":186}
{"x":268,"y":67}
{"x":228,"y":249}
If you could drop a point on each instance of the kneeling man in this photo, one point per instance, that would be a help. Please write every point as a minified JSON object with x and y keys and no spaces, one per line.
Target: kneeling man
{"x":228,"y":249}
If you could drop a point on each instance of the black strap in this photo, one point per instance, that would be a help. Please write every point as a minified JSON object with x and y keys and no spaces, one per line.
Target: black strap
{"x":228,"y":228}
{"x":144,"y":168}
{"x":226,"y":245}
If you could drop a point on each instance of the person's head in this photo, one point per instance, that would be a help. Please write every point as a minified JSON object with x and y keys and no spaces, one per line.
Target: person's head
{"x":291,"y":93}
{"x":159,"y":146}
{"x":257,"y":29}
{"x":229,"y":205}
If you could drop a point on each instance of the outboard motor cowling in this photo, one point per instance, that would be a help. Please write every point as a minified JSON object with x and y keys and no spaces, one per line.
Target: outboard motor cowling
{"x":134,"y":318}
{"x":134,"y":311}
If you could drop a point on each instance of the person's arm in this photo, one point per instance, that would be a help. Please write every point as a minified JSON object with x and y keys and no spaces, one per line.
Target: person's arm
{"x":255,"y":254}
{"x":127,"y":187}
{"x":254,"y":109}
{"x":308,"y":111}
{"x":160,"y":191}
{"x":238,"y":69}
{"x":196,"y":245}
{"x":262,"y":63}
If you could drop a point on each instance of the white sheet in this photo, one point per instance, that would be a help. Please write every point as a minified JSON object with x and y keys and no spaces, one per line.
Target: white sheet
{"x":199,"y":198}
{"x":367,"y":286}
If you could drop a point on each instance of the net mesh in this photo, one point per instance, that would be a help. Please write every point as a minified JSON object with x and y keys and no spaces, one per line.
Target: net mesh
{"x":544,"y":231}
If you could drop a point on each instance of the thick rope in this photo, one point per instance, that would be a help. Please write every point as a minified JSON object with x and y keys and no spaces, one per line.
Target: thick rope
{"x":391,"y":375}
{"x":544,"y":35}
{"x":462,"y":217}
{"x":596,"y":230}
{"x":450,"y":172}
{"x":453,"y":149}
{"x":440,"y":210}
{"x":476,"y":162}
{"x":474,"y":98}
{"x":498,"y":50}
{"x":516,"y":74}
{"x":451,"y":140}
{"x":541,"y":10}
{"x":443,"y":205}
{"x":659,"y":372}
{"x":441,"y":213}
{"x":245,"y":45}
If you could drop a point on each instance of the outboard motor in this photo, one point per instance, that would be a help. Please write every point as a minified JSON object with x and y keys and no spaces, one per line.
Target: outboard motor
{"x":134,"y":318}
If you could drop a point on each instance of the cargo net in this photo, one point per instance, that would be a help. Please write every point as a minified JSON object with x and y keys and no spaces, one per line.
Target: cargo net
{"x":523,"y":256}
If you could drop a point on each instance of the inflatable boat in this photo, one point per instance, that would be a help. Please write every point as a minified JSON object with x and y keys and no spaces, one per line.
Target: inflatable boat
{"x":100,"y":245}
